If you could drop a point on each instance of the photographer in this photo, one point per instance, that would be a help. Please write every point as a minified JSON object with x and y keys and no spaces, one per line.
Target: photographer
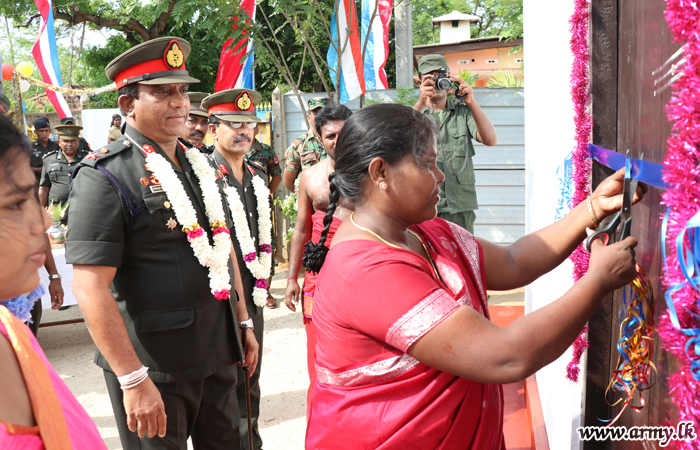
{"x":458,"y":123}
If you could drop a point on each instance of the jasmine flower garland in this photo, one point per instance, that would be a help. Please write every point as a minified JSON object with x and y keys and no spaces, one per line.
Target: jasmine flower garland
{"x":260,"y":266}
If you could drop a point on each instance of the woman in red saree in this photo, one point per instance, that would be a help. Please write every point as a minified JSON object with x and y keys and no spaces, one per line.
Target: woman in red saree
{"x":406,"y":355}
{"x":37,"y":410}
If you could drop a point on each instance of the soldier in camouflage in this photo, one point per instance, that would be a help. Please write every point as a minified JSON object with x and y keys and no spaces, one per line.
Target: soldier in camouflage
{"x":307,"y":149}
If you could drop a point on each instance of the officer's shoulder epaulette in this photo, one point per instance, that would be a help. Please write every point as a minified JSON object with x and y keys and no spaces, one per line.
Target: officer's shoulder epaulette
{"x":49,"y":154}
{"x":185,"y":142}
{"x":106,"y":152}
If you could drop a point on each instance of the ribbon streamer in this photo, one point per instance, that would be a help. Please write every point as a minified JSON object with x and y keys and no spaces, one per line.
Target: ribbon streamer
{"x":688,"y":253}
{"x":633,"y":373}
{"x":647,"y":172}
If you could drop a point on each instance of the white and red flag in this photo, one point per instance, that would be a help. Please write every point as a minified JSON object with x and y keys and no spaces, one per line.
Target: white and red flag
{"x":46,"y":57}
{"x":232,"y":73}
{"x":346,"y":36}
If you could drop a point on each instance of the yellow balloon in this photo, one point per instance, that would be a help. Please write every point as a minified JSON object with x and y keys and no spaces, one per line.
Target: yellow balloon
{"x":26,"y":68}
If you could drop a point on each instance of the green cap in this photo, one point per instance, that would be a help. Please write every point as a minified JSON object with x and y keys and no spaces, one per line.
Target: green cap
{"x":196,"y":103}
{"x":428,"y":63}
{"x":158,"y":61}
{"x":233,"y":105}
{"x":65,"y":120}
{"x":68,"y":132}
{"x":317,"y":102}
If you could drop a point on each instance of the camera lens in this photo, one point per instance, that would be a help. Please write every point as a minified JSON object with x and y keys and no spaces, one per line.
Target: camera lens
{"x":444,"y":84}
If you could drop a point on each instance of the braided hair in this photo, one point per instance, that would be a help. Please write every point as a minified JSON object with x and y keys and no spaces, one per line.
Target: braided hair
{"x":386,"y":130}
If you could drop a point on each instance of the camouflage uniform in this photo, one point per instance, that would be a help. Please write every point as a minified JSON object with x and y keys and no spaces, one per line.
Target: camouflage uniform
{"x":306,"y":150}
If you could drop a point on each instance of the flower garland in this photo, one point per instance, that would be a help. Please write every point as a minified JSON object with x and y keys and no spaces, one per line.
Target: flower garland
{"x":581,"y":165}
{"x":215,"y":257}
{"x":261,"y":266}
{"x":679,"y":325}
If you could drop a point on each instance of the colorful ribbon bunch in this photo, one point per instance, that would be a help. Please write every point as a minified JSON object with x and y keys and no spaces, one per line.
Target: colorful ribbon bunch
{"x":636,"y":343}
{"x":681,"y":175}
{"x":688,"y":257}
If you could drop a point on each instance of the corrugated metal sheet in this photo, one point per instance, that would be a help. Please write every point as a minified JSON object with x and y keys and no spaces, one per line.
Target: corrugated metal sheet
{"x":500,"y":170}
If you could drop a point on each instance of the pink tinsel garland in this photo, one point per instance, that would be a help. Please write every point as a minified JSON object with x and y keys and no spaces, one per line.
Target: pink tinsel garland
{"x":581,"y":165}
{"x":682,"y":175}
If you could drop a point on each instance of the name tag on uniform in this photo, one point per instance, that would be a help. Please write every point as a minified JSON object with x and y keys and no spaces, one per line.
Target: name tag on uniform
{"x":156,"y":188}
{"x":54,"y":164}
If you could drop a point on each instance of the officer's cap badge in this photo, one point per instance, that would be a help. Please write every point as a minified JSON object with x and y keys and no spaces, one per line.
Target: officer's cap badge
{"x":244,"y":102}
{"x":174,"y":58}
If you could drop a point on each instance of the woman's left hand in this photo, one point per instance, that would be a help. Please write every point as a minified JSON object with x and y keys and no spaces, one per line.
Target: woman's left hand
{"x":607,"y":198}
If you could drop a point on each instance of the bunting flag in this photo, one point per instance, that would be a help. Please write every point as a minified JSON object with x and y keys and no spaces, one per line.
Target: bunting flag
{"x":345,"y":36}
{"x":46,"y":56}
{"x":376,"y":49}
{"x":233,"y":73}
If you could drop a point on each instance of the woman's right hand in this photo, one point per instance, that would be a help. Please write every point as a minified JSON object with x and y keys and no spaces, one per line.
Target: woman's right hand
{"x":613,"y":265}
{"x":291,"y":295}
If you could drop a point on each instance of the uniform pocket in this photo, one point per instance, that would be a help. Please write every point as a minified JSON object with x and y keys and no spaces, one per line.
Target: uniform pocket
{"x":309,"y":158}
{"x":164,"y":227}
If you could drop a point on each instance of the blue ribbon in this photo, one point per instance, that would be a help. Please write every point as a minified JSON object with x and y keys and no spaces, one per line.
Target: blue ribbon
{"x":566,"y":190}
{"x":688,"y":258}
{"x":647,"y":172}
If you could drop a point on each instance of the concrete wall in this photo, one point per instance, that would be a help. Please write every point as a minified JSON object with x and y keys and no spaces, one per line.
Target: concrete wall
{"x":499,"y":170}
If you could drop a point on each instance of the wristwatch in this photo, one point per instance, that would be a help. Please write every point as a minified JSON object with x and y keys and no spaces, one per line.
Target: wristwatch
{"x":56,"y":276}
{"x":246,"y":323}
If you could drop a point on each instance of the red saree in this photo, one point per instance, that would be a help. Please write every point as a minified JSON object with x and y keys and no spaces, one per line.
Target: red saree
{"x":307,"y":298}
{"x":374,"y":302}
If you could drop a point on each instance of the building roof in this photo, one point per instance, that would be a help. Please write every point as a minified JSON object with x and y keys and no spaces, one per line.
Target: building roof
{"x":470,"y":44}
{"x":456,"y":15}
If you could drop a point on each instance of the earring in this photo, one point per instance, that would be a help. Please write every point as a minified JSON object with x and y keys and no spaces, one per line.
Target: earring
{"x":382,"y":186}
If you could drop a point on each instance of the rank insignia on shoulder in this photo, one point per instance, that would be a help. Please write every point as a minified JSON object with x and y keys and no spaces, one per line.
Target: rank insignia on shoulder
{"x":171,"y":223}
{"x":250,"y":169}
{"x":223,"y":169}
{"x":148,"y":149}
{"x":92,"y":156}
{"x":126,"y":143}
{"x":104,"y":151}
{"x":144,"y":181}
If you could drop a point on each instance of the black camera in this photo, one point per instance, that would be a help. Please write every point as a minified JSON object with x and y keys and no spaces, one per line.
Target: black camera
{"x":442,"y":81}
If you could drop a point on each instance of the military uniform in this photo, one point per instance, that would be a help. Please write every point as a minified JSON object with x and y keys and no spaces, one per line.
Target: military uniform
{"x":197,"y":110}
{"x":39,"y":151}
{"x":457,"y":128}
{"x":306,"y":150}
{"x":121,"y":217}
{"x":238,"y":105}
{"x":56,"y":175}
{"x":265,"y":156}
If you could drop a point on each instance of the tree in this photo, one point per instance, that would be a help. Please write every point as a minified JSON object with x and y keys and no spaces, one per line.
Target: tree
{"x":503,"y":18}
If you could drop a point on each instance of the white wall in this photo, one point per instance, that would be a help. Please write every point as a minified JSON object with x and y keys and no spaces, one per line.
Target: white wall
{"x":459,"y":34}
{"x":549,"y":137}
{"x":96,"y":124}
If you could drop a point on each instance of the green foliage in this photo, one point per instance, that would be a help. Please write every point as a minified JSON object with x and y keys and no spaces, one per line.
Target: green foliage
{"x":506,"y":78}
{"x":469,"y":77}
{"x":501,"y":18}
{"x":289,"y":208}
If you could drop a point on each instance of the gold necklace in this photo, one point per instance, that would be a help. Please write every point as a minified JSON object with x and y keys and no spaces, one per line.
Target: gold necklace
{"x":430,"y":259}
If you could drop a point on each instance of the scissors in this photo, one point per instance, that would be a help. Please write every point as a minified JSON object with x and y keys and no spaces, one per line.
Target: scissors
{"x":623,"y":217}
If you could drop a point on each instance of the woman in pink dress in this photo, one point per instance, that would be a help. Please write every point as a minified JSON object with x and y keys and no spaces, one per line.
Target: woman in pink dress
{"x":37,"y":410}
{"x":406,"y":355}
